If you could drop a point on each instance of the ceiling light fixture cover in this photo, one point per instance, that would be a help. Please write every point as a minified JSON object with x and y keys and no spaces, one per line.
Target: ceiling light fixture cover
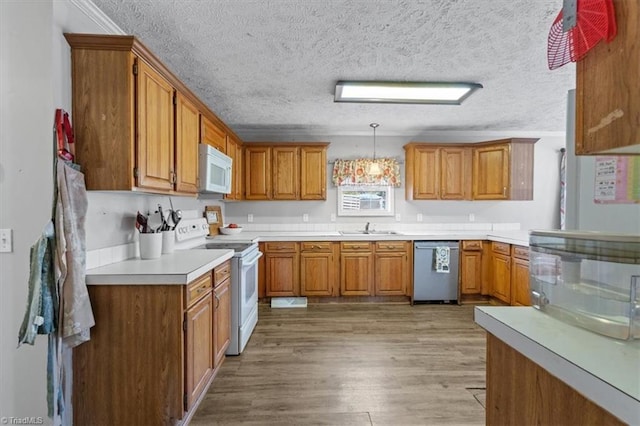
{"x":399,"y":92}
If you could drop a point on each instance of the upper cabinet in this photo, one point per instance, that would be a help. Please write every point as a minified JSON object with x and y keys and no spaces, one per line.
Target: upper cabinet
{"x":137,"y":126}
{"x":503,"y":170}
{"x":607,"y":88}
{"x":234,"y":150}
{"x":292,"y":171}
{"x":437,"y":172}
{"x":494,"y":170}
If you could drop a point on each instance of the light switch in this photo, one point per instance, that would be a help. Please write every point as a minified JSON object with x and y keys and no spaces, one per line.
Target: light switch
{"x":397,"y":217}
{"x":472,"y":217}
{"x":333,"y":217}
{"x":6,"y":241}
{"x":250,"y":218}
{"x":419,"y":217}
{"x":305,"y":217}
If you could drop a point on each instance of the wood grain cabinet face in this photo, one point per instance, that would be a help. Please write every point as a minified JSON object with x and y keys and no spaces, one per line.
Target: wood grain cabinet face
{"x":471,"y":272}
{"x":286,"y":172}
{"x":520,"y":295}
{"x":426,"y":176}
{"x":607,"y":88}
{"x":257,"y":168}
{"x":234,"y":150}
{"x":455,"y":178}
{"x":356,"y":269}
{"x":503,"y":170}
{"x":221,"y":320}
{"x":198,"y":349}
{"x":318,"y":269}
{"x":213,"y":135}
{"x":501,"y":277}
{"x":187,"y":137}
{"x":282,"y":269}
{"x":436,"y":172}
{"x":391,"y":268}
{"x":313,"y":173}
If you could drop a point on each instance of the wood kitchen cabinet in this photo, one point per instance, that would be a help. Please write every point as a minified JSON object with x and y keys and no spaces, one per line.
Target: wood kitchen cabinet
{"x":471,"y":268}
{"x":221,"y":312}
{"x":187,"y":138}
{"x":607,"y":88}
{"x":501,"y":271}
{"x":391,"y":276}
{"x":437,"y":172}
{"x":319,"y":268}
{"x":356,"y":268}
{"x":503,"y":170}
{"x":282,"y":269}
{"x":234,"y":150}
{"x":213,"y":134}
{"x":285,"y":171}
{"x":134,"y":120}
{"x":151,"y":354}
{"x":520,"y":291}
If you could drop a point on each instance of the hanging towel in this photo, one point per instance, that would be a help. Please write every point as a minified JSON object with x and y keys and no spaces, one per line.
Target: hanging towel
{"x":442,"y":259}
{"x":71,"y":209}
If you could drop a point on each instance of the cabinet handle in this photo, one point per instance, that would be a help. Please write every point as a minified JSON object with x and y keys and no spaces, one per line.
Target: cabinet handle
{"x":504,"y":191}
{"x":217,"y":300}
{"x":173,"y":177}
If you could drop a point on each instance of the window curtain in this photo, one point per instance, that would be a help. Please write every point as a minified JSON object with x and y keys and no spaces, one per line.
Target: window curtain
{"x":354,"y":172}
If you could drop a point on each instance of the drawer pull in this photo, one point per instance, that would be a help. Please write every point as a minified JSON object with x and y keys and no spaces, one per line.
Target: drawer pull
{"x":217,"y":300}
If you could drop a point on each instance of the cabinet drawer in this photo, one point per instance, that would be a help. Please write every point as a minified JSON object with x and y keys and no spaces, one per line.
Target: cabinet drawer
{"x":503,"y":248}
{"x":197,"y":288}
{"x":221,"y":273}
{"x":472,"y":245}
{"x":280,"y":247}
{"x":355,"y":245}
{"x":520,"y":252}
{"x":391,"y":245}
{"x":323,"y":246}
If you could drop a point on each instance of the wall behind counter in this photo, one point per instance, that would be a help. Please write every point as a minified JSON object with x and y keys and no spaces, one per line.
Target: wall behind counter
{"x":539,"y":213}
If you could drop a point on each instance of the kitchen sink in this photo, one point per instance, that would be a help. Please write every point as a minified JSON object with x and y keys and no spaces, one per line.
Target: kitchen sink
{"x":369,"y":232}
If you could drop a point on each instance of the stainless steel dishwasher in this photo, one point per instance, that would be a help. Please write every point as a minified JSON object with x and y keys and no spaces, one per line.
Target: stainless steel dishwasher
{"x":435,"y":280}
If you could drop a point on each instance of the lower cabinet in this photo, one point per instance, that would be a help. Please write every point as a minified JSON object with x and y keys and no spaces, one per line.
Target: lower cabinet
{"x":471,"y":268}
{"x":501,"y":271}
{"x":520,"y":290}
{"x":319,"y":269}
{"x":221,"y":312}
{"x":391,"y":275}
{"x":282,"y":269}
{"x":356,"y":268}
{"x":152,"y":352}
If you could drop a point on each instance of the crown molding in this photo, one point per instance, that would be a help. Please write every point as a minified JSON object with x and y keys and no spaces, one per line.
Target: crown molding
{"x":98,"y":16}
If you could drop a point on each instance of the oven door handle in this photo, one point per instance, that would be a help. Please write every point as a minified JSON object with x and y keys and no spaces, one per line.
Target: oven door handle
{"x":251,"y":261}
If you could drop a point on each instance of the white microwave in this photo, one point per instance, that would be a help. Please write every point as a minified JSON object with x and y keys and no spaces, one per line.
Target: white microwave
{"x":215,"y":170}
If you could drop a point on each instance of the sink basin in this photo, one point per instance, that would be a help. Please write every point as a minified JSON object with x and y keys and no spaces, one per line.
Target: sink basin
{"x":368,"y":232}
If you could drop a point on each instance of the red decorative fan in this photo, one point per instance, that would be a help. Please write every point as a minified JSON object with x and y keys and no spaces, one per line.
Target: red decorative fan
{"x":595,"y":21}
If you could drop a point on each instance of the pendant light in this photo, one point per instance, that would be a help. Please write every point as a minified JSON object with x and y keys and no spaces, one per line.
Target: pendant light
{"x":374,"y":167}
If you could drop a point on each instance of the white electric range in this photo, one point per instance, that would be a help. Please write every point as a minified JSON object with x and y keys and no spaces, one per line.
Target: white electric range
{"x":191,"y":233}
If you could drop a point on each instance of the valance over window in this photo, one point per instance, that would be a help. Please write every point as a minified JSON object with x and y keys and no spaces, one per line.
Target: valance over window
{"x":354,"y":172}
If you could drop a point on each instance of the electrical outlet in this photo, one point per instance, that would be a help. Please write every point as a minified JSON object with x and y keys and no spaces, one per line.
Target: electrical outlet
{"x":472,"y":217}
{"x":419,"y":217}
{"x":333,"y":217}
{"x":250,"y":217}
{"x":305,"y":217}
{"x":6,"y":241}
{"x":397,"y":217}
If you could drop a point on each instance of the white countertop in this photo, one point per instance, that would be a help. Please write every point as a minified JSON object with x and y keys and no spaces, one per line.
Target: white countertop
{"x":179,"y":267}
{"x":510,"y":237}
{"x":604,"y":370}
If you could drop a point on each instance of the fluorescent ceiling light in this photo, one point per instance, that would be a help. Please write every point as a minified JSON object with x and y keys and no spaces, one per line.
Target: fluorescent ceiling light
{"x":404,"y":92}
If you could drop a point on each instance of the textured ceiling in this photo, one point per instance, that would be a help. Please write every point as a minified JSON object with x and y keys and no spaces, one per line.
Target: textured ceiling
{"x":270,"y":66}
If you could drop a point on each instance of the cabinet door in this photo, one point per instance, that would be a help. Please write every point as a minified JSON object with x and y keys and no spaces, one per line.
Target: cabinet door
{"x":426,"y":175}
{"x":520,"y":294}
{"x":313,"y":173}
{"x":356,"y":274}
{"x":234,"y":150}
{"x":155,"y":130}
{"x":501,"y":277}
{"x":391,"y":273}
{"x":454,"y":173}
{"x":257,"y":173}
{"x":198,"y":349}
{"x":282,"y":274}
{"x":187,"y":137}
{"x":213,"y":135}
{"x":221,"y":320}
{"x":491,"y":172}
{"x":471,"y":272}
{"x":317,"y":274}
{"x":286,"y":173}
{"x":607,"y":88}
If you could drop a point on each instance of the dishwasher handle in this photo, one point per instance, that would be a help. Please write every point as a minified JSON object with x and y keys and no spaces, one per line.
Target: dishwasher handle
{"x":430,"y":245}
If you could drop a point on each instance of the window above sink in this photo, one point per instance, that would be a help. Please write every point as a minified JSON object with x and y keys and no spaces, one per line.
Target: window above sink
{"x":365,"y":200}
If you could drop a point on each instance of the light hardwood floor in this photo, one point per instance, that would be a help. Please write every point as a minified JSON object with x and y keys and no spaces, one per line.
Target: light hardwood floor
{"x":354,"y":364}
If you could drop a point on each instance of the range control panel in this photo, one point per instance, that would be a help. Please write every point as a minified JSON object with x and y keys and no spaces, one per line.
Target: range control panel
{"x":192,"y":228}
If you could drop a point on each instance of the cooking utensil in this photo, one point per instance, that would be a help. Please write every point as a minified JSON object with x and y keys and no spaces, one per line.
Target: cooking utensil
{"x":142,"y":223}
{"x":164,"y":226}
{"x":176,"y":215}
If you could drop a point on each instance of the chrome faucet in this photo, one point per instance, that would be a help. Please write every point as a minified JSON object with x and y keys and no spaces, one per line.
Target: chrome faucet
{"x":366,"y":228}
